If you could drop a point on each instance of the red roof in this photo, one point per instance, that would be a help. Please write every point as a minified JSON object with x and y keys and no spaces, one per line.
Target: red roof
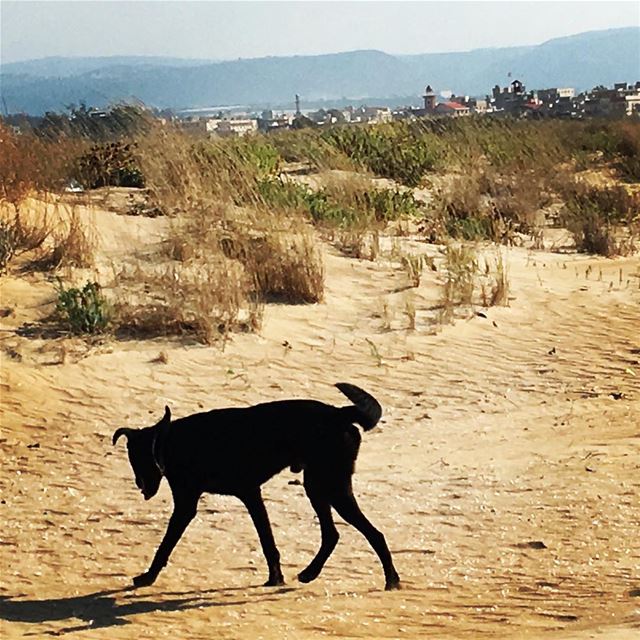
{"x":452,"y":105}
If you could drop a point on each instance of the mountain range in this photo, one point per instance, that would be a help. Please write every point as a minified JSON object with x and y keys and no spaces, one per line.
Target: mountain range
{"x":581,"y":61}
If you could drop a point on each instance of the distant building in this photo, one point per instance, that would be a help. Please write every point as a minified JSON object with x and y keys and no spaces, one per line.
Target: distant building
{"x":453,"y":109}
{"x":193,"y":125}
{"x":429,"y":98}
{"x":633,"y":103}
{"x":547,"y":96}
{"x":510,"y":100}
{"x":475,"y":105}
{"x":226,"y":128}
{"x":622,"y":100}
{"x":268,"y":121}
{"x":368,"y":115}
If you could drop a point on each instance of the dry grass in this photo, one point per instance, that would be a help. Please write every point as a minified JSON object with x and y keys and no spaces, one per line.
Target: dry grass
{"x":286,"y":267}
{"x":31,"y":234}
{"x":410,"y":313}
{"x":30,"y":164}
{"x":495,"y":288}
{"x":460,"y":269}
{"x":54,"y":237}
{"x":356,"y":242}
{"x":228,"y":252}
{"x":466,"y":283}
{"x":204,"y":302}
{"x":74,"y":243}
{"x":20,"y":233}
{"x":414,"y":264}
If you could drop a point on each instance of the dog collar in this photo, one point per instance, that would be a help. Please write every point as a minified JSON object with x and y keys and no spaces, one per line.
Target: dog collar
{"x":157,"y":456}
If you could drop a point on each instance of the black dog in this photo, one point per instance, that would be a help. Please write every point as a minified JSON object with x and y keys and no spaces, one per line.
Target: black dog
{"x":234,"y":451}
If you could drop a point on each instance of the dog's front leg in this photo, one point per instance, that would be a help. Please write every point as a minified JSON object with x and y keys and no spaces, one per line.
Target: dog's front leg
{"x":183,"y":513}
{"x":253,"y":501}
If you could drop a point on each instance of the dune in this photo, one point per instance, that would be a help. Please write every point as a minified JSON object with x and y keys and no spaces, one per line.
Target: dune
{"x":505,"y":472}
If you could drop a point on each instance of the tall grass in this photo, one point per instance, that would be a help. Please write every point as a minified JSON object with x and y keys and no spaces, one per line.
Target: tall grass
{"x":465,"y":282}
{"x":230,"y":251}
{"x":51,"y":236}
{"x":241,"y":234}
{"x":204,"y":301}
{"x":31,"y":164}
{"x":392,"y":150}
{"x":310,"y":148}
{"x":348,"y":211}
{"x":601,"y":219}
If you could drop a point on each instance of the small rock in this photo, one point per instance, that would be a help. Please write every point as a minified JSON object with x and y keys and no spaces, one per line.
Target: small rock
{"x":532,"y":544}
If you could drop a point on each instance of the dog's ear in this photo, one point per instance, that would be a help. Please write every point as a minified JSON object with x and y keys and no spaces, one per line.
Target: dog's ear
{"x":165,"y":423}
{"x":122,"y":431}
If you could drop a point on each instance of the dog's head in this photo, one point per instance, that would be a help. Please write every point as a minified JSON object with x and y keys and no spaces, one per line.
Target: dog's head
{"x":144,"y":453}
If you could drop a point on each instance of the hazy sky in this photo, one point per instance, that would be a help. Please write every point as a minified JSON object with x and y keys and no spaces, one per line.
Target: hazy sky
{"x":228,"y":30}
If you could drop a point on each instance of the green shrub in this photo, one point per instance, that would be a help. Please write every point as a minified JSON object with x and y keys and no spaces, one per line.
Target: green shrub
{"x":310,"y":147}
{"x":83,"y":310}
{"x":283,"y":194}
{"x":614,"y":204}
{"x":393,"y":150}
{"x":256,"y":151}
{"x":343,"y":203}
{"x":591,"y":233}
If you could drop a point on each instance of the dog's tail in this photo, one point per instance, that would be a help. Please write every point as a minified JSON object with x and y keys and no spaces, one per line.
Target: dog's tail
{"x":366,"y":410}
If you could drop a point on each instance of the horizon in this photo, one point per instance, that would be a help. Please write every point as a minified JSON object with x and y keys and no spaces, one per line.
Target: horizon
{"x":310,"y":55}
{"x":41,"y":30}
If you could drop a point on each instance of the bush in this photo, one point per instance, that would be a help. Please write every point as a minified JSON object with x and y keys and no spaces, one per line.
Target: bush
{"x":256,"y":151}
{"x":284,"y":268}
{"x":614,"y":204}
{"x":394,"y":151}
{"x":206,"y":301}
{"x":112,"y":164}
{"x":342,"y":203}
{"x":463,"y":210}
{"x":592,"y":215}
{"x":309,"y":147}
{"x":83,"y":310}
{"x":284,"y":194}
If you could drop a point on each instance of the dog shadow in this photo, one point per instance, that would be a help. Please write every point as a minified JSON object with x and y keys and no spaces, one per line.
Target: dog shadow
{"x":112,"y":607}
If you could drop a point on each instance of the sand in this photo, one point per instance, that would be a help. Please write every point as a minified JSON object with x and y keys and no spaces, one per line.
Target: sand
{"x":505,"y":473}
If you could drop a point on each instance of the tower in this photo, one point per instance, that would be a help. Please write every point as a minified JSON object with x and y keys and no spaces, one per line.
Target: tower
{"x":297,"y":104}
{"x":429,"y":98}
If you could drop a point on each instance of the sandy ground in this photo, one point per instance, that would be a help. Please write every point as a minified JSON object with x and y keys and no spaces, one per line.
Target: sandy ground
{"x":505,"y":473}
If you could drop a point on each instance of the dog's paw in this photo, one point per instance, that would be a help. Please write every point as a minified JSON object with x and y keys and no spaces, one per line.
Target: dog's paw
{"x":307,"y":576}
{"x":277,"y":581}
{"x":144,"y":580}
{"x":392,"y":584}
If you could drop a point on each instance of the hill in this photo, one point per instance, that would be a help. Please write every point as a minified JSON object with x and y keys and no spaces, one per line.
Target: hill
{"x":581,"y":61}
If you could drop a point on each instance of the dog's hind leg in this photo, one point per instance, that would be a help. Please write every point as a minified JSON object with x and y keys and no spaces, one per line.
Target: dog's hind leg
{"x":328,"y":530}
{"x":184,"y":511}
{"x":253,"y":501}
{"x":345,"y":504}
